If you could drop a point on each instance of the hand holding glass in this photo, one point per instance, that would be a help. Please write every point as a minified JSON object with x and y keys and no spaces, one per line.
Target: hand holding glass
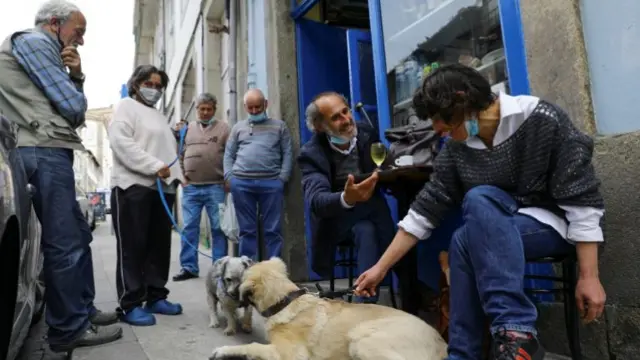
{"x":378,"y":153}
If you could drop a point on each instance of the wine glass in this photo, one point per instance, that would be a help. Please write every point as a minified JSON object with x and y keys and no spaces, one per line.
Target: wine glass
{"x":378,"y":153}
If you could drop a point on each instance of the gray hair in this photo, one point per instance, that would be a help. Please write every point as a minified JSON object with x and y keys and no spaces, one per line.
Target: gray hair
{"x":206,"y":98}
{"x":312,"y":114}
{"x":59,"y":9}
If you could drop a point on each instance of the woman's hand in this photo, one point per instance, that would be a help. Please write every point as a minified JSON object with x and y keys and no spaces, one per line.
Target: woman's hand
{"x":164,"y":173}
{"x":368,"y":281}
{"x":590,"y":298}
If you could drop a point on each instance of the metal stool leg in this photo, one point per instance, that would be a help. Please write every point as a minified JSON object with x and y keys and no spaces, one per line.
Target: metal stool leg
{"x":351,"y":264}
{"x":571,"y":310}
{"x":392,"y":292}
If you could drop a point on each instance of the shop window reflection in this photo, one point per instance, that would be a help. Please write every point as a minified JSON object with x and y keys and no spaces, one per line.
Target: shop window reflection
{"x":422,"y":35}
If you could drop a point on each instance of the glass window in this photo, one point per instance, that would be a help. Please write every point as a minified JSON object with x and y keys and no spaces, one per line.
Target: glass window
{"x":421,"y":35}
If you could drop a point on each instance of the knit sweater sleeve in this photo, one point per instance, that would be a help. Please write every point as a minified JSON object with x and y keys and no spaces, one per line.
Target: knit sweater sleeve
{"x":572,"y":177}
{"x":442,"y":192}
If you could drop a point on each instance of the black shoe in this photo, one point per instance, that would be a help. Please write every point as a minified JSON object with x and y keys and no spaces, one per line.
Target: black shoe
{"x":101,"y":318}
{"x":184,"y":275}
{"x":95,"y":335}
{"x":511,"y":347}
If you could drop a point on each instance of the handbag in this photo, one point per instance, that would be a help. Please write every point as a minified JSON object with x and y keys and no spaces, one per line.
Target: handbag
{"x":418,"y":140}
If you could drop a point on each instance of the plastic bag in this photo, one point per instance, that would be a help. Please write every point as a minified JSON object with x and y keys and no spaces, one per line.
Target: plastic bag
{"x":228,"y":219}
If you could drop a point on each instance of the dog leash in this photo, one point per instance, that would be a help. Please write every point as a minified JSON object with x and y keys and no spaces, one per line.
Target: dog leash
{"x":163,"y":198}
{"x":326,"y":294}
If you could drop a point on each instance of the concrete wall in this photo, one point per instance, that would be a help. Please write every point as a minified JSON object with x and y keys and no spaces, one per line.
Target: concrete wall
{"x":282,"y":80}
{"x":559,"y":72}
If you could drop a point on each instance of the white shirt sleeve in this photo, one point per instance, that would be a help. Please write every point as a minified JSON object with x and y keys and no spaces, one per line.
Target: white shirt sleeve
{"x":416,"y":225}
{"x":343,"y":202}
{"x":584,"y":223}
{"x":125,"y":147}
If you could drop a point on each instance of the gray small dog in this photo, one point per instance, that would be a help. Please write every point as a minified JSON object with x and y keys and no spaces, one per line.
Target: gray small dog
{"x":222,"y":285}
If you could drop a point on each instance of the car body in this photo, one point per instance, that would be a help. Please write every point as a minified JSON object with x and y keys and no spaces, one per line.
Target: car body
{"x":86,"y":207}
{"x":21,"y":297}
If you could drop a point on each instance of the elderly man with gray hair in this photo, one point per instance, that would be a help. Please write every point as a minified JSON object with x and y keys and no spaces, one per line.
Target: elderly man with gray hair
{"x":257,"y":164}
{"x":342,"y":211}
{"x":201,"y":162}
{"x":42,"y":93}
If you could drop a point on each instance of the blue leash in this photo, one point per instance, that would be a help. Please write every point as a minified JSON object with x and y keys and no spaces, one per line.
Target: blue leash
{"x":183,"y":133}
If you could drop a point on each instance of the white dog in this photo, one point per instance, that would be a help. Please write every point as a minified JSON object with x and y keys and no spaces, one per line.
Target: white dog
{"x":304,"y":326}
{"x":223,"y":284}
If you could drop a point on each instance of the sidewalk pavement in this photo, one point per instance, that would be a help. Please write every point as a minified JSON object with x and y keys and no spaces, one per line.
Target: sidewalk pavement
{"x":183,"y":337}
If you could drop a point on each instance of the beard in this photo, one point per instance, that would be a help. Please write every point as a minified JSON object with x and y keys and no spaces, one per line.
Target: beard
{"x":347,"y":132}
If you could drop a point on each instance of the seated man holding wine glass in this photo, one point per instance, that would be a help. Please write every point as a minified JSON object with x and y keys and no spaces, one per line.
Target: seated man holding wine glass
{"x":342,"y":210}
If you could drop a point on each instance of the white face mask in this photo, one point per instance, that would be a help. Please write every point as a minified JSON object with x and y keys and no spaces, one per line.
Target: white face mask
{"x":150,"y":96}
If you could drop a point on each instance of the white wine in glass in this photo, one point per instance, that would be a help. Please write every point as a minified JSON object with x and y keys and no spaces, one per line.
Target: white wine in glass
{"x":378,"y":153}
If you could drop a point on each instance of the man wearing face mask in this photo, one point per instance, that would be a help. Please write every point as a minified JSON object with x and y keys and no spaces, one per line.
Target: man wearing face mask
{"x":201,"y":163}
{"x":257,"y":164}
{"x":42,"y":93}
{"x":342,"y":210}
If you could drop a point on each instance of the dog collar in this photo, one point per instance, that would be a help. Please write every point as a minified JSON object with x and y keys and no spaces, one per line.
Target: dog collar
{"x":282,"y":304}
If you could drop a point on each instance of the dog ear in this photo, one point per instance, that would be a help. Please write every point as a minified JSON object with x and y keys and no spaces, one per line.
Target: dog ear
{"x":219,"y":266}
{"x":279,"y":265}
{"x":246,"y":291}
{"x":246,"y":261}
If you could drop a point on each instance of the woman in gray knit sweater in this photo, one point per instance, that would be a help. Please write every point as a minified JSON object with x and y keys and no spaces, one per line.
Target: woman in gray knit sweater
{"x":522,"y":174}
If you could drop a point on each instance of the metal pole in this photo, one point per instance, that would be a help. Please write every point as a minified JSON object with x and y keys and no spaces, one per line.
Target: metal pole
{"x":232,"y":11}
{"x":233,"y":54}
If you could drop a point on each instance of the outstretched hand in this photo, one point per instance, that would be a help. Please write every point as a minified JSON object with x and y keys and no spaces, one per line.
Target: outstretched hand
{"x":360,"y":192}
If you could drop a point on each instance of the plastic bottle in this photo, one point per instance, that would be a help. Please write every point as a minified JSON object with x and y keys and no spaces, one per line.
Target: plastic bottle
{"x":400,"y":83}
{"x":410,"y":70}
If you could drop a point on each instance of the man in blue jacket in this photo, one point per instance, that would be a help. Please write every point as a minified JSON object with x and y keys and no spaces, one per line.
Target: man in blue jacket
{"x":342,"y":210}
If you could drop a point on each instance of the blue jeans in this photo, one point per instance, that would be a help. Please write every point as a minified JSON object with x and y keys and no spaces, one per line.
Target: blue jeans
{"x":487,"y":260}
{"x":194,"y":198}
{"x":371,"y":228}
{"x":248,"y":194}
{"x":66,"y":238}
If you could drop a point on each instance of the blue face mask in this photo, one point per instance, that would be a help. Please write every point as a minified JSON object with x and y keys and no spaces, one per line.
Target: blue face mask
{"x":254,"y":118}
{"x":472,"y":127}
{"x":208,"y":121}
{"x":338,"y":140}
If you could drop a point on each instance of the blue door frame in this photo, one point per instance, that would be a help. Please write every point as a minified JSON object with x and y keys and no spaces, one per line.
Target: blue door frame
{"x":516,"y":63}
{"x":355,"y":36}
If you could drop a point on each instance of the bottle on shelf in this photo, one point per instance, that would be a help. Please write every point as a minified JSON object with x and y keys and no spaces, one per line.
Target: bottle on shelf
{"x":400,"y":83}
{"x":410,"y":70}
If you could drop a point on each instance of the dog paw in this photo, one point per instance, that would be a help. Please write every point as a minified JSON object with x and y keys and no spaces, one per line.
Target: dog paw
{"x":247,"y":328}
{"x":214,"y":324}
{"x":229,"y":331}
{"x":220,"y":353}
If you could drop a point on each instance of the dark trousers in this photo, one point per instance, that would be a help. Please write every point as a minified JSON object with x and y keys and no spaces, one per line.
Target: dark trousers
{"x":370,"y":226}
{"x":66,"y":238}
{"x":143,"y":232}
